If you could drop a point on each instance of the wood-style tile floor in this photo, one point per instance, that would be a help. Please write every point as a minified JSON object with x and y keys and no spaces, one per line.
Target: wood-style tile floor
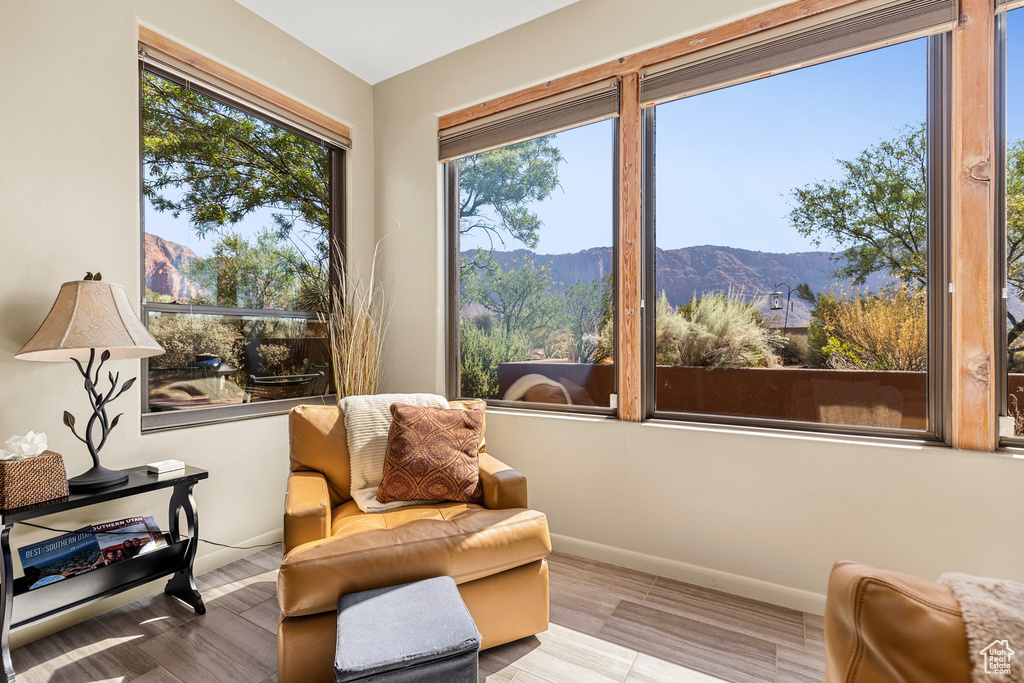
{"x":607,"y":624}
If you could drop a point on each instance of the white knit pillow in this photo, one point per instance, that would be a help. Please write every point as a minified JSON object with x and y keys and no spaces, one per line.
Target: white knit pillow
{"x":367,"y":423}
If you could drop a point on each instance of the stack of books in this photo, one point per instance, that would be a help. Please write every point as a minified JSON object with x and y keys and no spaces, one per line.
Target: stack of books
{"x":89,"y":548}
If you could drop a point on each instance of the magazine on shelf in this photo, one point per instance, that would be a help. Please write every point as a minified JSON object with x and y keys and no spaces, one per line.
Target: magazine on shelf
{"x":124,"y":539}
{"x":159,"y":540}
{"x":56,"y":559}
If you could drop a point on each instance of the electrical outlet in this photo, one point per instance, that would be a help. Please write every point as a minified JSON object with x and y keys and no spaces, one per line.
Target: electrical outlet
{"x":614,"y":401}
{"x":1005,"y":426}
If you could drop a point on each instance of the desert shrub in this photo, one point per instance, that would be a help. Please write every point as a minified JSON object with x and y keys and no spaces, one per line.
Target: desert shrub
{"x":887,"y":330}
{"x":185,"y":337}
{"x":605,"y":353}
{"x":717,"y":330}
{"x":480,"y":355}
{"x":1018,"y":416}
{"x":278,"y":359}
{"x":795,"y":350}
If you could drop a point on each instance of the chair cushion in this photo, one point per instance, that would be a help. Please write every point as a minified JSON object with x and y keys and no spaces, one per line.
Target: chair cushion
{"x":366,"y":551}
{"x":419,"y":629}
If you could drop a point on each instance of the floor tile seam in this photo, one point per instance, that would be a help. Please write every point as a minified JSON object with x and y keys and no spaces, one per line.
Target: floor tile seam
{"x":699,"y":618}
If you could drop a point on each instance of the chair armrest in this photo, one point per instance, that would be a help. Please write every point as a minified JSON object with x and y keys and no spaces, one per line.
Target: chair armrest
{"x":885,"y":627}
{"x":307,"y":509}
{"x":503,"y":486}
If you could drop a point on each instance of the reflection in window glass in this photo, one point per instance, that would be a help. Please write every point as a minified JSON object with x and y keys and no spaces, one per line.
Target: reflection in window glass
{"x":215,"y":360}
{"x":1014,"y":225}
{"x":791,"y":245}
{"x":535,"y":253}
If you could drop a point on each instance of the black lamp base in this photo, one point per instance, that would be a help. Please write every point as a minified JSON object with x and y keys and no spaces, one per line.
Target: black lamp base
{"x":97,"y":477}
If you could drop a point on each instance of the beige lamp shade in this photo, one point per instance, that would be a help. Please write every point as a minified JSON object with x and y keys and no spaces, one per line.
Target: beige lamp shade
{"x":90,"y":315}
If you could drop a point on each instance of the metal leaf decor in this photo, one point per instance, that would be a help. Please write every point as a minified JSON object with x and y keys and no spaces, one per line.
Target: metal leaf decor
{"x":113,"y":423}
{"x":69,"y":420}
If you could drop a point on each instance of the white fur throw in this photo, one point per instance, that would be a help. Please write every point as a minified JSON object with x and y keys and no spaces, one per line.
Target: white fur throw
{"x":994,"y":614}
{"x":367,"y":423}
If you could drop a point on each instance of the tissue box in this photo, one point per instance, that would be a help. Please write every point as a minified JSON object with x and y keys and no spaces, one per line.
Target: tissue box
{"x":32,"y":480}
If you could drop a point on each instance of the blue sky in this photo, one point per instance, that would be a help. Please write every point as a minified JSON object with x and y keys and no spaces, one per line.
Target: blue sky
{"x":727,"y":160}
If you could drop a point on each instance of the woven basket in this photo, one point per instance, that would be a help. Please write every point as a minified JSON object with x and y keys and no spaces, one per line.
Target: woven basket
{"x":32,"y":480}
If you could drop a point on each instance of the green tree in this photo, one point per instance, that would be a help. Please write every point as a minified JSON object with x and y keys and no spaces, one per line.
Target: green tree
{"x":585,"y":307}
{"x":247,"y":275}
{"x":518,"y":295}
{"x":877,"y":210}
{"x":497,"y":187}
{"x":217,"y":165}
{"x":1015,"y":231}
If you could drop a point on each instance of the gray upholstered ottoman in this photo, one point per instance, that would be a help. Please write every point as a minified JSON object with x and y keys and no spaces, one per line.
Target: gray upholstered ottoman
{"x":415,"y":632}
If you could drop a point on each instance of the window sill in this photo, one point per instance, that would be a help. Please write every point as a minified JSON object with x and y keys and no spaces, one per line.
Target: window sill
{"x":911,"y":442}
{"x":198,"y":417}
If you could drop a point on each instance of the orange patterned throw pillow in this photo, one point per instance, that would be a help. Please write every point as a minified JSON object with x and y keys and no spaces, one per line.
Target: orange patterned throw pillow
{"x":432,"y":455}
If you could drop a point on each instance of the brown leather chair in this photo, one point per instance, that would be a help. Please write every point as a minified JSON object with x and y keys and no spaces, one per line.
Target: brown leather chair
{"x":885,"y":627}
{"x":495,"y":552}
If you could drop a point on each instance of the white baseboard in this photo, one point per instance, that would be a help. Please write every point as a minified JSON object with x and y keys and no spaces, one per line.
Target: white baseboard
{"x":784,"y":596}
{"x":203,"y":564}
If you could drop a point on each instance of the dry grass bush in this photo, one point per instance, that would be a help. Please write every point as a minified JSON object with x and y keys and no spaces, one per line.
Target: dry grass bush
{"x":887,"y":330}
{"x":717,"y":330}
{"x":359,"y":318}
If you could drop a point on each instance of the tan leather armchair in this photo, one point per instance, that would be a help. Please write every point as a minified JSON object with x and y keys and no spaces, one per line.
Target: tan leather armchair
{"x":886,"y":627}
{"x":495,"y":552}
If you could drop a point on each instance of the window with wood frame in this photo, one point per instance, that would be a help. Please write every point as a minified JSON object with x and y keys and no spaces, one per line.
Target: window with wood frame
{"x":241,"y":236}
{"x":677,"y":161}
{"x":532,"y":254}
{"x":792,"y":257}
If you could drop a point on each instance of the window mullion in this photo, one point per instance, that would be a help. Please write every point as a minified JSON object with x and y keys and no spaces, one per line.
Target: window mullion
{"x":972,"y":258}
{"x":628,"y":310}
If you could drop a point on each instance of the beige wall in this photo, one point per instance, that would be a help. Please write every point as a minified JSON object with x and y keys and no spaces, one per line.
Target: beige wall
{"x":69,"y":188}
{"x":762,"y":515}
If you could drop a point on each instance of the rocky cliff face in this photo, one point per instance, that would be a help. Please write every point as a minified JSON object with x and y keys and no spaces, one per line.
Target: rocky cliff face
{"x":164,"y":262}
{"x":694,"y":271}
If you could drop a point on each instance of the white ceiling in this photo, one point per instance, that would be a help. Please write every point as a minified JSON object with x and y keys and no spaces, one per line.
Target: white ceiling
{"x":376,"y":39}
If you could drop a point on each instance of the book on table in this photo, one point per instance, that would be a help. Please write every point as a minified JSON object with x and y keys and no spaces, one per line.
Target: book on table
{"x":59,"y":558}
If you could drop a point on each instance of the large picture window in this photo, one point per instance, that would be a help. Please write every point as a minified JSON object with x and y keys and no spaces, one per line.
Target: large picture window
{"x":533,"y":257}
{"x":240,"y":237}
{"x":792,"y":235}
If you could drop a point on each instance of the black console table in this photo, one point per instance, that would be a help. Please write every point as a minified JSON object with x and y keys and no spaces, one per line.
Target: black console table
{"x":22,"y":606}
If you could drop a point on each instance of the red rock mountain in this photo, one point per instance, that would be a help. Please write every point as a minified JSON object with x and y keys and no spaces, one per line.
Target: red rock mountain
{"x":693,"y":271}
{"x":164,"y":262}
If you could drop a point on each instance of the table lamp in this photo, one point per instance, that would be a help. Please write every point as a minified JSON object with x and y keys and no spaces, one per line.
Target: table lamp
{"x":91,"y":318}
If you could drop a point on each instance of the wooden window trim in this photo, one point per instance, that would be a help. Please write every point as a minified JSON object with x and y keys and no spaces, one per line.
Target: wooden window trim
{"x":628,"y":311}
{"x":148,"y":38}
{"x":972,"y":247}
